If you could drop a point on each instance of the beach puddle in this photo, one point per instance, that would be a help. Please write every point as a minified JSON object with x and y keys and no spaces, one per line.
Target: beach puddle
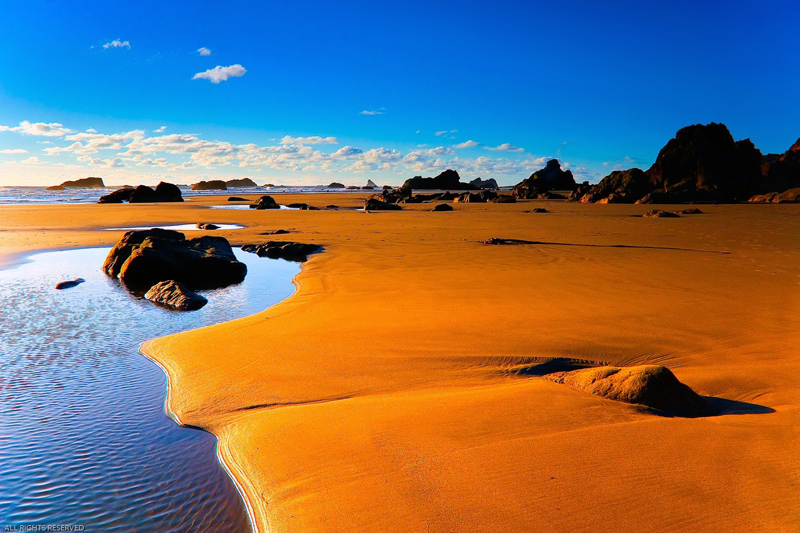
{"x":178,"y":227}
{"x":84,"y":438}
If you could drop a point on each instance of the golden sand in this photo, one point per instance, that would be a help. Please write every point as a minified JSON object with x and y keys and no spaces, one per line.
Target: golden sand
{"x":381,"y":396}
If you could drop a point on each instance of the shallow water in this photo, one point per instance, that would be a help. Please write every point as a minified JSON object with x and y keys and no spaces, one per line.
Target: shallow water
{"x":84,"y":439}
{"x":179,"y":227}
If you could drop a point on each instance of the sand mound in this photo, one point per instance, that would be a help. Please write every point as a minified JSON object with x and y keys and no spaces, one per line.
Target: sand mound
{"x":650,"y":385}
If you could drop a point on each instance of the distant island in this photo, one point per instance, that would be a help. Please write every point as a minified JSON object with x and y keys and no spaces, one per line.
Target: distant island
{"x":83,"y":183}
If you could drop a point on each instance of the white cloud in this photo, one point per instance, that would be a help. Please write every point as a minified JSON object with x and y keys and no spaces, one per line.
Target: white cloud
{"x":203,"y":51}
{"x":42,"y":129}
{"x":116,"y":43}
{"x":382,"y":155}
{"x":316,"y":139}
{"x":505,"y":147}
{"x":13,"y":151}
{"x":33,"y":160}
{"x":380,"y":111}
{"x":160,"y":130}
{"x":466,"y":144}
{"x":346,"y":151}
{"x":219,"y":73}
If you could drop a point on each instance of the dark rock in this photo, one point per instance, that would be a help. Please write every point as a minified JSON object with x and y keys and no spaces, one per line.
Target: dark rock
{"x":276,"y":232}
{"x":476,"y":197}
{"x":539,"y":210}
{"x":370,"y":185}
{"x":83,"y":183}
{"x":297,"y":206}
{"x":790,"y":196}
{"x":116,"y":197}
{"x":207,"y":226}
{"x":143,"y":258}
{"x":442,"y":207}
{"x":175,"y":295}
{"x":649,"y":385}
{"x":781,"y":172}
{"x":243,"y":182}
{"x":503,"y":199}
{"x":331,"y":206}
{"x":310,"y":208}
{"x":168,"y":192}
{"x":484,"y":184}
{"x":54,"y":188}
{"x":420,"y":198}
{"x":237,"y":199}
{"x":619,"y":187}
{"x":336,"y":185}
{"x":691,"y":211}
{"x":292,"y":251}
{"x":447,"y":196}
{"x":660,"y":213}
{"x":69,"y":284}
{"x":212,"y":185}
{"x":353,"y":187}
{"x":550,"y":178}
{"x":447,"y":180}
{"x":579,"y":192}
{"x":393,"y":196}
{"x":763,"y":198}
{"x":501,"y":242}
{"x":265,"y":202}
{"x":374,"y":204}
{"x":549,"y":195}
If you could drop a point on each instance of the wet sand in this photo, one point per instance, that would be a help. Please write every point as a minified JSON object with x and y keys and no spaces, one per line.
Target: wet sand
{"x":382,"y":395}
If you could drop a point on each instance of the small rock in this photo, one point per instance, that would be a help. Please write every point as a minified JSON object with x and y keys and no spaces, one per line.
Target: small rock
{"x":291,"y":251}
{"x":175,"y":295}
{"x":207,"y":226}
{"x":69,"y":284}
{"x":373,"y":204}
{"x":237,"y":199}
{"x":539,"y":210}
{"x":691,"y":211}
{"x":660,"y":213}
{"x":442,"y":207}
{"x":265,"y":202}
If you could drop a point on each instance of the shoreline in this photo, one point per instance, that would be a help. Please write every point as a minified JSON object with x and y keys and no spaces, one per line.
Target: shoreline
{"x":410,"y":318}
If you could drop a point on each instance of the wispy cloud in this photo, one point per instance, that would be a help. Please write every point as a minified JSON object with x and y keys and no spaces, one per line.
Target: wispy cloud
{"x":116,"y":43}
{"x":505,"y":147}
{"x":219,"y":73}
{"x":160,"y":130}
{"x":13,"y":151}
{"x":380,"y":111}
{"x":445,"y":132}
{"x":203,"y":51}
{"x":346,"y":151}
{"x":41,"y":129}
{"x":316,"y":139}
{"x":466,"y":144}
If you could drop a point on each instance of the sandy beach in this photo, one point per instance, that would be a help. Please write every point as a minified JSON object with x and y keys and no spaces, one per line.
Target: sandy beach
{"x":384,"y":395}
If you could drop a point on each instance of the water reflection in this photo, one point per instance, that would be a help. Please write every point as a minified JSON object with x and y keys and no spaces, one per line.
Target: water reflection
{"x":83,"y":434}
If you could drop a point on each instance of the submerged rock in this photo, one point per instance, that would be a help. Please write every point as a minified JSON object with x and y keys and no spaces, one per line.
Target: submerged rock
{"x":207,"y":226}
{"x":265,"y":202}
{"x":175,"y":295}
{"x":143,"y":258}
{"x":69,"y":284}
{"x":291,"y":251}
{"x":649,"y":385}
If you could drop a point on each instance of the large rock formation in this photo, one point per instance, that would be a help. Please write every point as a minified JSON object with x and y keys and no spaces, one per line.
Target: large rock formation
{"x":243,"y":182}
{"x":653,"y":386}
{"x":164,"y":192}
{"x":781,"y":171}
{"x":701,"y":164}
{"x":550,"y":178}
{"x":484,"y":184}
{"x":212,"y":185}
{"x":175,"y":295}
{"x":143,"y":258}
{"x":83,"y":183}
{"x":447,"y":180}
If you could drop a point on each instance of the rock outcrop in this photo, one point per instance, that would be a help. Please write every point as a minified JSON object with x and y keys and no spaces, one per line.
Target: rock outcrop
{"x":291,"y":251}
{"x":484,"y":184}
{"x":83,"y":183}
{"x":781,"y":172}
{"x":790,"y":196}
{"x":164,"y":192}
{"x":447,"y":180}
{"x":175,"y":295}
{"x":649,"y":385}
{"x":143,"y":258}
{"x":375,"y":204}
{"x":370,"y":185}
{"x":476,"y":197}
{"x":265,"y":202}
{"x":243,"y":182}
{"x":550,"y":178}
{"x":620,"y":187}
{"x":336,"y":185}
{"x":212,"y":185}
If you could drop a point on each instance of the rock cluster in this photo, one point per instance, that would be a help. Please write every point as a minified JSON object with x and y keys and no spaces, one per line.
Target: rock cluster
{"x":143,"y":258}
{"x":164,"y":192}
{"x":476,"y":197}
{"x":550,"y":178}
{"x":292,"y":251}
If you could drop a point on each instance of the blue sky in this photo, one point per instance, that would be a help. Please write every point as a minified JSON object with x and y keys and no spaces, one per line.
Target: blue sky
{"x":315,"y":92}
